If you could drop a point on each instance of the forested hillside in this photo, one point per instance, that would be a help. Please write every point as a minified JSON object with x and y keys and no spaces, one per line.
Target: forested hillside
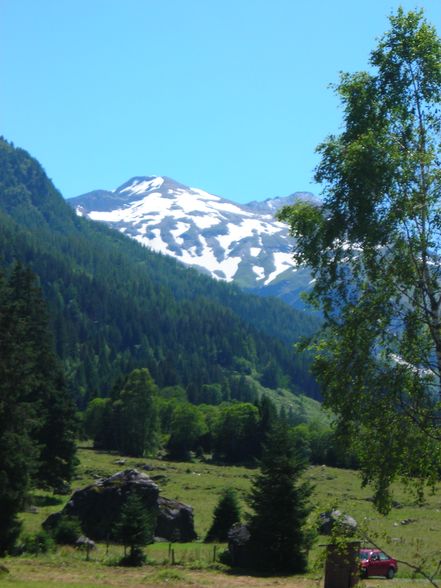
{"x":115,"y":306}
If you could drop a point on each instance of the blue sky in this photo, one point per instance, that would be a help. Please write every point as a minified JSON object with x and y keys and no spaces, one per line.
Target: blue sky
{"x":231,"y":96}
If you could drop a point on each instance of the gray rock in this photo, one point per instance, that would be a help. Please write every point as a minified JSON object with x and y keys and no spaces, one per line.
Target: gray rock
{"x":407,"y":521}
{"x":331,"y":518}
{"x":238,"y":538}
{"x":175,"y":521}
{"x":146,"y":467}
{"x":160,"y":478}
{"x":98,"y":507}
{"x":84,"y":542}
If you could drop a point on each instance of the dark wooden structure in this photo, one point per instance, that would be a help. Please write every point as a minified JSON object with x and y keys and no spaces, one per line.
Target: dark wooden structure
{"x":342,"y":565}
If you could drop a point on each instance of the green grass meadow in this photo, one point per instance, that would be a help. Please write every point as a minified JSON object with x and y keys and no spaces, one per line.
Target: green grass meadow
{"x":410,"y":532}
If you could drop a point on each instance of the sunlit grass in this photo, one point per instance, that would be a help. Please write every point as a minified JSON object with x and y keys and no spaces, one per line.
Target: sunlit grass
{"x":200,"y":484}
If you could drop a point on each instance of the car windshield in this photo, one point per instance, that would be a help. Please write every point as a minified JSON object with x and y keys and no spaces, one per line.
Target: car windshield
{"x":364,"y":554}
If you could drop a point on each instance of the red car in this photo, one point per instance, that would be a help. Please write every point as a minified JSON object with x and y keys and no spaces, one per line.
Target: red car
{"x":374,"y":562}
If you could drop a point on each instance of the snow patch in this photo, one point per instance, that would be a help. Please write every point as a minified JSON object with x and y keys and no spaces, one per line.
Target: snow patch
{"x":205,"y":222}
{"x":157,"y":244}
{"x":282,"y":261}
{"x":205,"y":194}
{"x":180,"y":229}
{"x":138,"y":187}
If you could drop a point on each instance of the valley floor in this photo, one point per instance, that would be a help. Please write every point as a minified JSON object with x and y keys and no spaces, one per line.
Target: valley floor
{"x":410,"y":532}
{"x":38,"y":573}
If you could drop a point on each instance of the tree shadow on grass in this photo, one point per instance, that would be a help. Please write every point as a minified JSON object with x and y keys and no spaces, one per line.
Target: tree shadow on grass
{"x":237,"y":571}
{"x":38,"y":500}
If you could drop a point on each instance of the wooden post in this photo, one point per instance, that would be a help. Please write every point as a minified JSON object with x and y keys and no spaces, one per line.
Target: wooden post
{"x":342,"y":565}
{"x":214,"y":552}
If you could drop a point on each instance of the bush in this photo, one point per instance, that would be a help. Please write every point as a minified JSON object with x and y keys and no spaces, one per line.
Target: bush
{"x":67,"y":531}
{"x":40,"y":542}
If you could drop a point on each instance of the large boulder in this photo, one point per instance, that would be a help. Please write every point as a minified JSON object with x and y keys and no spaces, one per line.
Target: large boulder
{"x":328,"y":520}
{"x":175,"y":521}
{"x":238,"y":543}
{"x":98,"y":507}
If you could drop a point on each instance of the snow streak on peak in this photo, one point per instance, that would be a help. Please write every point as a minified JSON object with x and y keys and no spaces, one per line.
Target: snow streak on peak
{"x":139,"y":186}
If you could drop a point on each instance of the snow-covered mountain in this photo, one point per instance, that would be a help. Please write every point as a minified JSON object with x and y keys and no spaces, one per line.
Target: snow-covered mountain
{"x":229,"y":241}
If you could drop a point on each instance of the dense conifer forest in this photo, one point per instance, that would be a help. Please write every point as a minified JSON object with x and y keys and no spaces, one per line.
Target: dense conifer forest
{"x":133,"y":339}
{"x":37,"y":415}
{"x":115,"y":306}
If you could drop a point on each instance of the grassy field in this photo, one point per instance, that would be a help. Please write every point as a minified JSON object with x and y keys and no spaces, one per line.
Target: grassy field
{"x":410,"y":532}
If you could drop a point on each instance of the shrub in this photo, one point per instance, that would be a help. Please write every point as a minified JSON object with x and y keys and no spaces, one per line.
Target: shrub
{"x":67,"y":531}
{"x":40,"y":542}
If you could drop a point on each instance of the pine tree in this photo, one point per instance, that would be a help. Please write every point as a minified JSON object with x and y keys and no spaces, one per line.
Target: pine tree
{"x":279,"y":503}
{"x":36,"y":415}
{"x":17,"y":452}
{"x":226,"y":513}
{"x":135,"y":528}
{"x":53,"y":431}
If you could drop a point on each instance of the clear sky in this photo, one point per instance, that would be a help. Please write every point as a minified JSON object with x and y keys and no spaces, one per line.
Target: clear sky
{"x":231,"y":96}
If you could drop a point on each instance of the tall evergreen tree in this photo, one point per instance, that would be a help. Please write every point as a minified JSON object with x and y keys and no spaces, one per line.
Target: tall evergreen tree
{"x":135,"y":528}
{"x":54,"y":429}
{"x":226,"y":514}
{"x":279,"y":504}
{"x":17,"y":452}
{"x":267,"y":417}
{"x":36,"y":415}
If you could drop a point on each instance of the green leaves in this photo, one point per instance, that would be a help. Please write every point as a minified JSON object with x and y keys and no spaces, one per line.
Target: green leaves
{"x":375,"y":250}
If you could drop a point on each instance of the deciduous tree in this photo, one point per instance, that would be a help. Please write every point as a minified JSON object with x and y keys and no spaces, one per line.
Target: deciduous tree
{"x":138,"y":414}
{"x":374,"y":247}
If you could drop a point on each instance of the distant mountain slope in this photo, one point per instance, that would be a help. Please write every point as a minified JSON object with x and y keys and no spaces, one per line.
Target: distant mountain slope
{"x":116,"y":305}
{"x":231,"y":242}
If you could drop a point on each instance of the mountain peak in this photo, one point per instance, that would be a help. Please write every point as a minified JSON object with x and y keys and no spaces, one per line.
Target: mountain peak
{"x":140,"y":184}
{"x":229,"y":241}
